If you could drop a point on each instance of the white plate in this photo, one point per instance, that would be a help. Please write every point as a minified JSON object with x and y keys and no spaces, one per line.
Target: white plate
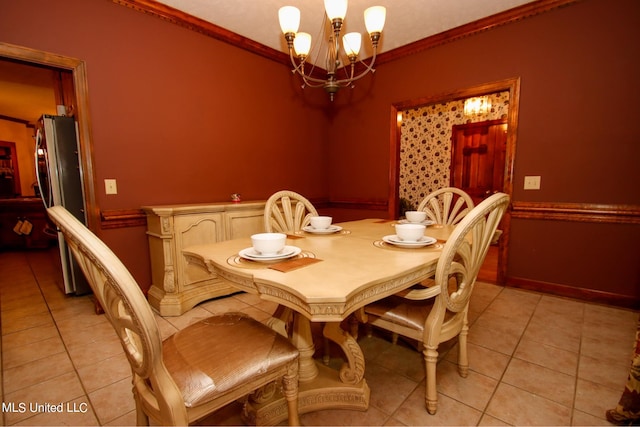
{"x":426,"y":222}
{"x":252,"y":254}
{"x":329,"y":230}
{"x":424,"y":241}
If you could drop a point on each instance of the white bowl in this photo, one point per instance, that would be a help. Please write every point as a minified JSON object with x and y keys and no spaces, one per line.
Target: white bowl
{"x":320,"y":222}
{"x":415,"y":216}
{"x":268,"y":244}
{"x":410,"y":232}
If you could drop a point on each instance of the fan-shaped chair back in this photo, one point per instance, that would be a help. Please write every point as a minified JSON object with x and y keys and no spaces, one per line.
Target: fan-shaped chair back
{"x":287,"y":212}
{"x":446,"y":206}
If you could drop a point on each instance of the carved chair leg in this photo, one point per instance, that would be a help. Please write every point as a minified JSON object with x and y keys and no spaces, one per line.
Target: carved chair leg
{"x":142,"y":419}
{"x":290,"y":391}
{"x":463,"y":358}
{"x":431,"y":393}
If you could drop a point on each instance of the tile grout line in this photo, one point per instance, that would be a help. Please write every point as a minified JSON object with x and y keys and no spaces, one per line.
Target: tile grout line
{"x":64,"y":344}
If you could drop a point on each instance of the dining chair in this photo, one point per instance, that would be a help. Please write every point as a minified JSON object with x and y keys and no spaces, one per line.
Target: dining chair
{"x":287,"y":212}
{"x":446,"y":206}
{"x":197,"y":370}
{"x":433,"y":315}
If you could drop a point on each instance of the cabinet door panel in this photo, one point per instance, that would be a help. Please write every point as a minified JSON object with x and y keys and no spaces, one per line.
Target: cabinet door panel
{"x":196,"y":230}
{"x":244,"y":223}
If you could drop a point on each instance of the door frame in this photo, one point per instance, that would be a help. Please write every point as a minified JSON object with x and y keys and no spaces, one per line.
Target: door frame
{"x":512,"y":85}
{"x":78,"y":69}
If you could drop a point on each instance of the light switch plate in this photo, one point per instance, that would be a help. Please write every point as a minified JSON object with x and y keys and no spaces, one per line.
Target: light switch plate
{"x":110,"y":186}
{"x":531,"y":182}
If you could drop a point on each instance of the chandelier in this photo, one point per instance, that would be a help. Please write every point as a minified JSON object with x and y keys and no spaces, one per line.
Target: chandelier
{"x":299,"y":44}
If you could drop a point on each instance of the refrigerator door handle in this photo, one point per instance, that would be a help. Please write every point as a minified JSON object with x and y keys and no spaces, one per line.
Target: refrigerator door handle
{"x":45,"y":198}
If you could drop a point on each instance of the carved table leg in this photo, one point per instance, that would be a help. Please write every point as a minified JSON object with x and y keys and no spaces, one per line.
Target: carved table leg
{"x":303,"y":340}
{"x":321,"y":387}
{"x":351,"y":372}
{"x":280,"y":320}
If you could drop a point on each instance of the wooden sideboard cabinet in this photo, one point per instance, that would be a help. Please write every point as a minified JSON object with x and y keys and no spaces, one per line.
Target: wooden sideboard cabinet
{"x":178,"y":286}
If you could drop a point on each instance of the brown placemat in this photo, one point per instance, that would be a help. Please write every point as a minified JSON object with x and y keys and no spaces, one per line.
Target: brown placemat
{"x":293,"y":264}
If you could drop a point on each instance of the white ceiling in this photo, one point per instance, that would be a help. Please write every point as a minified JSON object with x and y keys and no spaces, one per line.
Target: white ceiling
{"x":407,"y":20}
{"x":25,"y":94}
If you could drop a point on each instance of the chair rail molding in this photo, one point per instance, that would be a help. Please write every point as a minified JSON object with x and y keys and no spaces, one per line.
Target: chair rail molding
{"x":577,"y":212}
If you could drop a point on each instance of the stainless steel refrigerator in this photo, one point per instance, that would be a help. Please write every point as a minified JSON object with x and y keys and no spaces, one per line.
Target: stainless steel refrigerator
{"x":60,"y":183}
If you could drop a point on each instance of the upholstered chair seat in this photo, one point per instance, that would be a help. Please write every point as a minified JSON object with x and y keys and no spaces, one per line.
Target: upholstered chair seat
{"x":204,"y":370}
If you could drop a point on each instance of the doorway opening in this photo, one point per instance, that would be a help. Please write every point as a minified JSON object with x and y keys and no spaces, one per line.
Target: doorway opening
{"x":411,"y":181}
{"x":74,"y":89}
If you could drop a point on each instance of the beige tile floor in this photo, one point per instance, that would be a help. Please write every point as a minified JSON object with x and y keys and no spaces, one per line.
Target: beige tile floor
{"x":535,"y":360}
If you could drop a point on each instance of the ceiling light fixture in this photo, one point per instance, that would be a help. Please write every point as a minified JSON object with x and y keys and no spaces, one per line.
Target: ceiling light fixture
{"x":477,"y":106}
{"x":299,"y":44}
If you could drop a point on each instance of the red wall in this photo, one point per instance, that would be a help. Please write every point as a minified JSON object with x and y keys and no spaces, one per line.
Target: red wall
{"x":579,"y":68}
{"x":177,"y":117}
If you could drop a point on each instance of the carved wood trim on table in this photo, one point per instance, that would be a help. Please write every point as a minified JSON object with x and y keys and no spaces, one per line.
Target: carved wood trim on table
{"x":577,"y":212}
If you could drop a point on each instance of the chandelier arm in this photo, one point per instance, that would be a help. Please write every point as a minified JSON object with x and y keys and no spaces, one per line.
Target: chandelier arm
{"x":369,"y":68}
{"x":313,"y":82}
{"x":297,"y":67}
{"x":309,"y":80}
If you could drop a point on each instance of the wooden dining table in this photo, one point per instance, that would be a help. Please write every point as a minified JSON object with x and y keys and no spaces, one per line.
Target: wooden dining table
{"x":332,"y":276}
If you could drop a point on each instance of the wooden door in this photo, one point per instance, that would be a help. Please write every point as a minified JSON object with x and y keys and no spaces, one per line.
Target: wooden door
{"x":478,"y":158}
{"x":9,"y":172}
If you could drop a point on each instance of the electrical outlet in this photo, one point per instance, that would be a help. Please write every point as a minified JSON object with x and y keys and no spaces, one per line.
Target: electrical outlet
{"x":110,"y":186}
{"x":531,"y":182}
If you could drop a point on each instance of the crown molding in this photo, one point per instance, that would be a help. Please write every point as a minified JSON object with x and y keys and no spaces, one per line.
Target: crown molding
{"x":167,"y":13}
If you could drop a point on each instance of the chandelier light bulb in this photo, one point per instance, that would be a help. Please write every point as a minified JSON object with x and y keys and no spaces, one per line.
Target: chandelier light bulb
{"x":336,"y":9}
{"x":352,"y":43}
{"x":302,"y":44}
{"x":374,"y":18}
{"x":289,"y":19}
